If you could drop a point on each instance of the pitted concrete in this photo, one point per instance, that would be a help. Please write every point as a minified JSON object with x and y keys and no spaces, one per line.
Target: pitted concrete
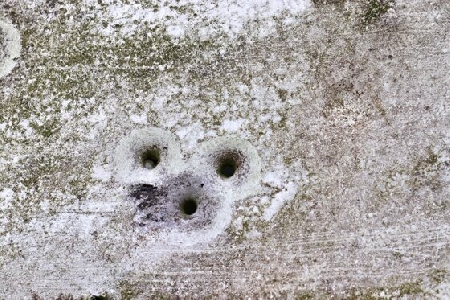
{"x":344,"y":102}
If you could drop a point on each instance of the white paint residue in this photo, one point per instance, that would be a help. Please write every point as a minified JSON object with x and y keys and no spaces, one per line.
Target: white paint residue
{"x":99,"y":172}
{"x":98,"y":122}
{"x":191,"y":135}
{"x":6,"y":197}
{"x":221,"y":16}
{"x":139,"y":119}
{"x":100,"y":117}
{"x":232,"y":125}
{"x":279,"y":199}
{"x":175,"y":30}
{"x":274,"y":178}
{"x":10,"y":47}
{"x":26,"y":126}
{"x":444,"y":291}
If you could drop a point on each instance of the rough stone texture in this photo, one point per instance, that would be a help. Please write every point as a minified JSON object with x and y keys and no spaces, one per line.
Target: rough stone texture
{"x":347,"y":103}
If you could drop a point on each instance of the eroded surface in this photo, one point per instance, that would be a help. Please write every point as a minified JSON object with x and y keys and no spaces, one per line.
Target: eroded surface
{"x":346,"y":103}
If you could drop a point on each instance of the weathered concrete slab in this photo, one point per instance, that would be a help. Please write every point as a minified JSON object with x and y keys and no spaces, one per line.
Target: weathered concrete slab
{"x":265,"y":149}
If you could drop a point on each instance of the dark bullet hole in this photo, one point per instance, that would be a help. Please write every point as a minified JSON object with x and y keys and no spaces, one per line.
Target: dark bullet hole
{"x":427,"y":107}
{"x":151,"y":158}
{"x":227,"y":169}
{"x":227,"y":164}
{"x":173,"y":203}
{"x":189,"y":206}
{"x":99,"y":297}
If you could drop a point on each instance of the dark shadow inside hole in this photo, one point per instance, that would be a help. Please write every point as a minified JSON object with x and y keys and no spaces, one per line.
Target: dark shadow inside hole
{"x":189,"y":206}
{"x":150,"y":158}
{"x":227,"y":170}
{"x":227,"y":165}
{"x":99,"y":297}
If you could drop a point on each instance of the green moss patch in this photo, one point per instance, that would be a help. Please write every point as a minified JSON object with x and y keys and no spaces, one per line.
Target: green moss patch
{"x":375,"y":9}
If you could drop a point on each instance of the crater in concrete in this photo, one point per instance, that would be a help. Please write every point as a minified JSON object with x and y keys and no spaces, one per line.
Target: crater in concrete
{"x":182,"y":202}
{"x":185,"y":196}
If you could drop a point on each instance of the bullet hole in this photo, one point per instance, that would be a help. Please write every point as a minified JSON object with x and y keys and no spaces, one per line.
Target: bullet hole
{"x":99,"y":297}
{"x":427,"y":107}
{"x":180,"y":202}
{"x":228,"y":163}
{"x":146,"y":149}
{"x":151,"y":158}
{"x":227,"y":169}
{"x":188,"y":206}
{"x":181,"y":197}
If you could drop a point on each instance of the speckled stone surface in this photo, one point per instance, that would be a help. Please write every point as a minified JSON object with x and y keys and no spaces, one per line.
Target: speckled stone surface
{"x":333,"y":117}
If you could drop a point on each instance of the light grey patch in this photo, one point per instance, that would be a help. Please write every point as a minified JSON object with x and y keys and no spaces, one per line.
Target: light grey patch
{"x":9,"y":47}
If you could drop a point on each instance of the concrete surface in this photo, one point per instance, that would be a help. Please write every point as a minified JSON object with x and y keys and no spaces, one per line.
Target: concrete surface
{"x":335,"y":115}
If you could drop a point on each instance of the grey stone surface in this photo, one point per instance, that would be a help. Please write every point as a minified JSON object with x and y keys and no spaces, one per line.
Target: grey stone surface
{"x":345,"y":102}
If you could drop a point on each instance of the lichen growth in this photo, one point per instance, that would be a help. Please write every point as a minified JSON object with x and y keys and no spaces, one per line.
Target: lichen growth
{"x":374,"y":10}
{"x":128,"y":290}
{"x":427,"y":172}
{"x":406,"y":289}
{"x":439,"y":275}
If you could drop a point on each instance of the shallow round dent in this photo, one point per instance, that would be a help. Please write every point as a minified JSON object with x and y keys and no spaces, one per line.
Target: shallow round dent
{"x":9,"y":47}
{"x":147,"y":154}
{"x":231,"y":163}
